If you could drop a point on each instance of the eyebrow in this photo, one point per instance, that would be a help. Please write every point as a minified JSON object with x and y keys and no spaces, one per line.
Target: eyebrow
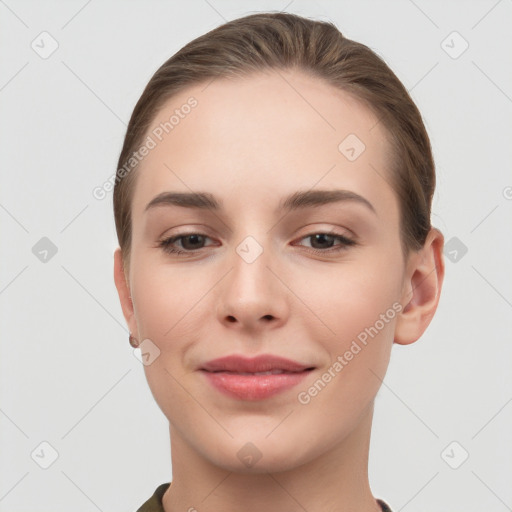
{"x":296,"y":201}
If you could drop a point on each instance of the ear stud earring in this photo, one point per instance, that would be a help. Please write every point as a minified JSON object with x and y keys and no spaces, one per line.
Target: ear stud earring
{"x":133,"y":341}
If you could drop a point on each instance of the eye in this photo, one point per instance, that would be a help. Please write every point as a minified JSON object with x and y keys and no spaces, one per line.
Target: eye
{"x":322,"y":243}
{"x":190,"y":242}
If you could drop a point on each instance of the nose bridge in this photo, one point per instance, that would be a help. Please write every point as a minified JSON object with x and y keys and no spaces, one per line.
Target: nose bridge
{"x":252,"y":242}
{"x":250,"y":260}
{"x":250,"y":249}
{"x":251,"y":291}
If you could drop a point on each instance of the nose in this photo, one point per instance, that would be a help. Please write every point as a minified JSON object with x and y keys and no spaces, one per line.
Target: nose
{"x":252,"y":296}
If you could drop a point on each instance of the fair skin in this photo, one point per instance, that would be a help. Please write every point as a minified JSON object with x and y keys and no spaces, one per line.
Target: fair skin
{"x":251,"y":143}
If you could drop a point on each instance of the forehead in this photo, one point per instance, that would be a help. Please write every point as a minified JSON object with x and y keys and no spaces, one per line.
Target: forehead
{"x":265,"y":136}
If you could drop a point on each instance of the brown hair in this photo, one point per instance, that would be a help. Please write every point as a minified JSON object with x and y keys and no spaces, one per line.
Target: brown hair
{"x":267,"y":41}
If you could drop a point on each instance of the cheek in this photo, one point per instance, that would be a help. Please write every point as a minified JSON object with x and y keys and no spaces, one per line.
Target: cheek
{"x":168,"y":302}
{"x":354,"y":325}
{"x":357,"y":306}
{"x":347,"y":298}
{"x":164,"y":297}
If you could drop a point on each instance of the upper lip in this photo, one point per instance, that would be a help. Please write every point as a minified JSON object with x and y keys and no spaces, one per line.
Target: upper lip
{"x":261,"y":363}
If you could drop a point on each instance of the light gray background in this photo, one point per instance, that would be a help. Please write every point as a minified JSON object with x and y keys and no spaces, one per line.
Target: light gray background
{"x":68,"y":375}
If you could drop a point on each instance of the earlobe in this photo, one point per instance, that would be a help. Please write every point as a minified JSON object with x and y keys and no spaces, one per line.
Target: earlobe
{"x":123,"y":291}
{"x":422,"y":289}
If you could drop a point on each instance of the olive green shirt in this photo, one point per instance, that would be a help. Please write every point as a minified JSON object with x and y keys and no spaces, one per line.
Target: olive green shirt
{"x":154,"y":504}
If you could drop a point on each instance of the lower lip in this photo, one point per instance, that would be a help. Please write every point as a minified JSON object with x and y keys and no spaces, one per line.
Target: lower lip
{"x":254,"y":387}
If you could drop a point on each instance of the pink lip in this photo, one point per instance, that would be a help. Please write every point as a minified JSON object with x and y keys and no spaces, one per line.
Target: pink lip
{"x":254,"y":387}
{"x":261,"y":363}
{"x":225,"y":374}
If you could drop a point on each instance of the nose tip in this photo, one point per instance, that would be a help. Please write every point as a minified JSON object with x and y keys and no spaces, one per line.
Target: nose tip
{"x":267,"y":317}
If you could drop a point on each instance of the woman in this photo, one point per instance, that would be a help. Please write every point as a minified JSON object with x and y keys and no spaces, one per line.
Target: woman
{"x":272,"y":206}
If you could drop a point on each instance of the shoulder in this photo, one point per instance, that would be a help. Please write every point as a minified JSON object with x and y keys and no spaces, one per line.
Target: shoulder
{"x":384,"y":506}
{"x":154,"y":504}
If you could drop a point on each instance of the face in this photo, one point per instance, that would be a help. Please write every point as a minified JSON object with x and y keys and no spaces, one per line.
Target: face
{"x":318,"y":280}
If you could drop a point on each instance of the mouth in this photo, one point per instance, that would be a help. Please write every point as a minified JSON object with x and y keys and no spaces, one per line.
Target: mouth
{"x":270,"y":372}
{"x":237,"y":363}
{"x":254,"y":386}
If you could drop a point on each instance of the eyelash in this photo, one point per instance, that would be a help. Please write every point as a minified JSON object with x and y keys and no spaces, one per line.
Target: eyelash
{"x":345,"y":243}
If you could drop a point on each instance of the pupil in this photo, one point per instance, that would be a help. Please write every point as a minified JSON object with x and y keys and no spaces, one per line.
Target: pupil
{"x":322,"y":237}
{"x":195,"y":238}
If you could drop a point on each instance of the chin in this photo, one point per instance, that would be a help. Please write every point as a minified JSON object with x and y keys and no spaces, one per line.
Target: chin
{"x":257,"y":457}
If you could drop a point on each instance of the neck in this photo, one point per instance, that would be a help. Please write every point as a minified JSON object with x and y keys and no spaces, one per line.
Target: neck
{"x":335,"y":480}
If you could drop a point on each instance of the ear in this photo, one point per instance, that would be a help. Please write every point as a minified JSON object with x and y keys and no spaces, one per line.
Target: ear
{"x":422,"y":289}
{"x":123,"y":290}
